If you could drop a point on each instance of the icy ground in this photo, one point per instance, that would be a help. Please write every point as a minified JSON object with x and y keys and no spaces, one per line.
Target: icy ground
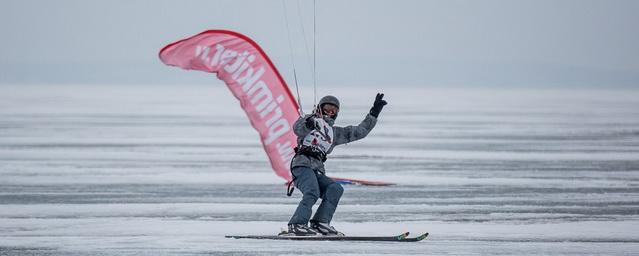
{"x":163,"y":170}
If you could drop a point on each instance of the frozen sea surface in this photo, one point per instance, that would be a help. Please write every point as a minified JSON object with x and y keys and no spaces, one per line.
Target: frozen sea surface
{"x":170,"y":170}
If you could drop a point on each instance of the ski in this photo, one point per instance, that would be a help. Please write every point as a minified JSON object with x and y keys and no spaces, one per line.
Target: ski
{"x":398,"y":238}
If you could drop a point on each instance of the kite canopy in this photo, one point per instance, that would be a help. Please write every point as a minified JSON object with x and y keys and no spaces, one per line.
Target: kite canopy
{"x":254,"y":81}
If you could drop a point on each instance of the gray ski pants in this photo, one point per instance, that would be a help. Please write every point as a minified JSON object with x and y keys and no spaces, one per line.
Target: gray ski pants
{"x":314,"y":185}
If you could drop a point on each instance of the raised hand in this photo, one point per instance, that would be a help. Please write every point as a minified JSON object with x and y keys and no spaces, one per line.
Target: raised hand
{"x":378,"y":105}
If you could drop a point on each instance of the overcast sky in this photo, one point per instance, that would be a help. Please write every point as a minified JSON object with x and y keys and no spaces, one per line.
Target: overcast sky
{"x":418,"y":43}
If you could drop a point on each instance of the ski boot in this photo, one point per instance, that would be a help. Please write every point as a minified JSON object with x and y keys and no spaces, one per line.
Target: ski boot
{"x":299,"y":230}
{"x":325,"y":229}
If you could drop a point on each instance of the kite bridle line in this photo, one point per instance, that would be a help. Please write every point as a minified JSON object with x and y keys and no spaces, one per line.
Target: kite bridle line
{"x":314,"y":57}
{"x":290,"y":44}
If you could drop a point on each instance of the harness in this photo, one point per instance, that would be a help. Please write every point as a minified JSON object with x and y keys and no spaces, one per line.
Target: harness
{"x":313,"y":152}
{"x":306,"y":151}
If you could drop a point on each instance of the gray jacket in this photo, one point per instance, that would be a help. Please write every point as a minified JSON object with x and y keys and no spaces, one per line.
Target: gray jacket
{"x":341,"y":135}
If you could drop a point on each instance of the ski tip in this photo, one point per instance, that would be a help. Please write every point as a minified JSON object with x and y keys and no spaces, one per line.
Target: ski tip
{"x":403,"y":235}
{"x":414,"y":239}
{"x":422,"y":237}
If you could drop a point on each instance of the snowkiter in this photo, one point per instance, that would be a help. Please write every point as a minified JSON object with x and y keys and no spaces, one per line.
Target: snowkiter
{"x":316,"y":138}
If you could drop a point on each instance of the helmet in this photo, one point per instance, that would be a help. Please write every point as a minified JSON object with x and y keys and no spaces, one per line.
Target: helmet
{"x":329,"y":99}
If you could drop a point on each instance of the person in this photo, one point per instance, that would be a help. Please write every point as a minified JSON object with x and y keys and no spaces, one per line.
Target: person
{"x":316,"y":137}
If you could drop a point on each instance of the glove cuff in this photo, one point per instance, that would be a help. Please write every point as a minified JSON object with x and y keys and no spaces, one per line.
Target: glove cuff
{"x":375,"y":111}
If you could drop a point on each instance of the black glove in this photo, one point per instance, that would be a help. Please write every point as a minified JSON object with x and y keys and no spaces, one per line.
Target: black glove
{"x":378,"y":105}
{"x":310,"y":122}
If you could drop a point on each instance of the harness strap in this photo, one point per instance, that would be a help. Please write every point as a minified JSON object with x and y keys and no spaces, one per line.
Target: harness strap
{"x":290,"y":188}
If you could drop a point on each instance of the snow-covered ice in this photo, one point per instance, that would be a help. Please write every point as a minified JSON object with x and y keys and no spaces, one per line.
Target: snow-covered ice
{"x":172,"y":169}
